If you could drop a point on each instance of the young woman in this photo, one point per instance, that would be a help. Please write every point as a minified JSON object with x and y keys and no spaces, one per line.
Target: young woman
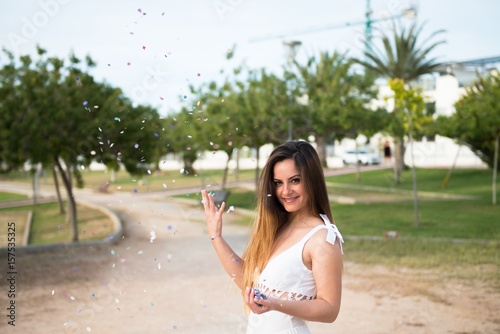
{"x":294,"y":255}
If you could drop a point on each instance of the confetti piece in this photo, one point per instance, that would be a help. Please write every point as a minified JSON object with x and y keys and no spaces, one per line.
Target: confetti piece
{"x":72,"y":298}
{"x":85,"y":102}
{"x":128,"y":63}
{"x":53,"y":291}
{"x":231,"y":208}
{"x":152,"y":236}
{"x":89,"y":329}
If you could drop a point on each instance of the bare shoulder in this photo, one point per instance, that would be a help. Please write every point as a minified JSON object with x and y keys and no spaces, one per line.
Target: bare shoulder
{"x":319,"y":243}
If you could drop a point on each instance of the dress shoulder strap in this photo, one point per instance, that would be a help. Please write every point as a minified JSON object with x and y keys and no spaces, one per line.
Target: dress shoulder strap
{"x":333,"y":232}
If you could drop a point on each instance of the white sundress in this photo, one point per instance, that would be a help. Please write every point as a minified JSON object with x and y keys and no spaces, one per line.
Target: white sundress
{"x":286,"y":277}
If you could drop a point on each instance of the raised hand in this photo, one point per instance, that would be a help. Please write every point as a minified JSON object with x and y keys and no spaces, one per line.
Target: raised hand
{"x":213,"y":215}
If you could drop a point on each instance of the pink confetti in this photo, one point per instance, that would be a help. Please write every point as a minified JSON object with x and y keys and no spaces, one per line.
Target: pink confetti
{"x":144,"y":47}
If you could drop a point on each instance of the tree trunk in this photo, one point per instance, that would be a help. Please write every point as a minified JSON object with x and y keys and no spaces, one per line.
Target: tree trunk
{"x":399,"y":163}
{"x":58,"y":191}
{"x":188,"y":166}
{"x":495,"y":171}
{"x":321,"y":148}
{"x":35,"y":188}
{"x":36,"y":183}
{"x":358,"y":163}
{"x":257,"y":157}
{"x":71,"y":199}
{"x":414,"y":168}
{"x":452,"y":168}
{"x":226,"y":169}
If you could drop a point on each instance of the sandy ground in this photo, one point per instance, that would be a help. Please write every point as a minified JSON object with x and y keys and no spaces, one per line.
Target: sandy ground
{"x":164,"y":277}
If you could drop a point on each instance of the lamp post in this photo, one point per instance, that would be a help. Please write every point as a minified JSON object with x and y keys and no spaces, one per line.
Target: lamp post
{"x":291,"y":47}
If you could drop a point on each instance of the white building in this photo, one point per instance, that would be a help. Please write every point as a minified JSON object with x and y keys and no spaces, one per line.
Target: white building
{"x":444,"y":89}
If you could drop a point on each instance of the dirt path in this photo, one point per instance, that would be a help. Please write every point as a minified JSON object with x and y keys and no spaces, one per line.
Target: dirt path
{"x":164,"y":277}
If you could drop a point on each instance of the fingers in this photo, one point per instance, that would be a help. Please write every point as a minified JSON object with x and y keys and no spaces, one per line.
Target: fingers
{"x":209,"y":204}
{"x":256,"y":305}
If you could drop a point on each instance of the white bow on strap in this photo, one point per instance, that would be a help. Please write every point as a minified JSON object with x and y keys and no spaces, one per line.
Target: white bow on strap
{"x":332,"y":232}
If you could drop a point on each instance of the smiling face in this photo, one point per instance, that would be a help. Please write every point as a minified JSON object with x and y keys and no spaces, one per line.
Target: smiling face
{"x":289,"y":186}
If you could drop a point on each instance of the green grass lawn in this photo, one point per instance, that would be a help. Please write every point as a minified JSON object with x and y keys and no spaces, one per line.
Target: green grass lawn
{"x":49,"y":226}
{"x":7,"y":196}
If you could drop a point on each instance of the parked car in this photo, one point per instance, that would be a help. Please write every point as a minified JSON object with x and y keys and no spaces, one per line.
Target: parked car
{"x":363,"y":157}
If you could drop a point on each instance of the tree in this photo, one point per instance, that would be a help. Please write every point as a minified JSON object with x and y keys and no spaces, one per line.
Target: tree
{"x":221,"y":130}
{"x":403,"y":57}
{"x":411,"y":121}
{"x":62,"y":117}
{"x":476,"y":122}
{"x":264,"y":111}
{"x":338,"y":100}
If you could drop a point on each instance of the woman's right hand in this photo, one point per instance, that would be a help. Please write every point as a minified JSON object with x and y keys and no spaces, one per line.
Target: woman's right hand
{"x":213,"y":215}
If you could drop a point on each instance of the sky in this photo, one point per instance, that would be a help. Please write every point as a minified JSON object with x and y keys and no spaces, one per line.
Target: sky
{"x":154,"y":50}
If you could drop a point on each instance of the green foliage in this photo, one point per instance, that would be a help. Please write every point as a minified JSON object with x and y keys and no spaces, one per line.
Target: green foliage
{"x":338,"y":101}
{"x":410,"y":99}
{"x":402,"y":55}
{"x":336,"y":95}
{"x":476,"y":122}
{"x":52,"y":111}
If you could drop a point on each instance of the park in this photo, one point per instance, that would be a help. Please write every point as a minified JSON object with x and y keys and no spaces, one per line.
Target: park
{"x":102,"y":227}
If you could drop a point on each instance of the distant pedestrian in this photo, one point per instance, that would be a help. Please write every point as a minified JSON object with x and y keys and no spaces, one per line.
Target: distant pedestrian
{"x":291,"y":271}
{"x":387,"y":154}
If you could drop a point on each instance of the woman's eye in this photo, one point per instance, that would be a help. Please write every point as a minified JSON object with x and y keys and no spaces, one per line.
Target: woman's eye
{"x":296,"y":180}
{"x":278,"y":183}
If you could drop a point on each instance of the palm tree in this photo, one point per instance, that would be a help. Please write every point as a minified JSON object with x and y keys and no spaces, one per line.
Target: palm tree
{"x":402,"y":57}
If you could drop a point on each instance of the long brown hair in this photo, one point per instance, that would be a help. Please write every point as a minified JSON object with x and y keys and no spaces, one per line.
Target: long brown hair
{"x":271,"y":215}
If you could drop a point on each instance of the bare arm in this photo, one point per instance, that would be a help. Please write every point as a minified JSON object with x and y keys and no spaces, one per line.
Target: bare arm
{"x":327,"y":264}
{"x":231,"y":262}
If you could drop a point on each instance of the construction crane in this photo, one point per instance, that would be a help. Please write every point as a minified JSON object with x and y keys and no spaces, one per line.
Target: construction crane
{"x":411,"y":11}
